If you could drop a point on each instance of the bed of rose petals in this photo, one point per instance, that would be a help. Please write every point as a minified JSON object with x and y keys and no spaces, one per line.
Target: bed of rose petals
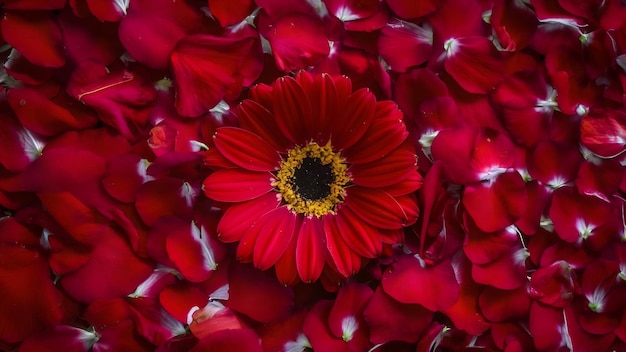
{"x":108,"y":156}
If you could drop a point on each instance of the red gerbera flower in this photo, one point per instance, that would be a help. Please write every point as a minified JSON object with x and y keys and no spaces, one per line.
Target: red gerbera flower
{"x":320,"y":175}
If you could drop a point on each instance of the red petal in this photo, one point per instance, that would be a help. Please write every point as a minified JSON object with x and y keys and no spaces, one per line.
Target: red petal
{"x":453,"y":148}
{"x":499,"y":306}
{"x":60,"y":338}
{"x":346,"y":261}
{"x":286,"y":267}
{"x":256,"y":118}
{"x":576,"y":216}
{"x":229,"y":340}
{"x":179,"y":298}
{"x":408,"y":280}
{"x":33,"y":4}
{"x":292,"y":110}
{"x":276,"y":228}
{"x":390,"y":320}
{"x":363,"y":239}
{"x":270,"y":301}
{"x":297,"y":42}
{"x":193,"y":252}
{"x":229,"y":13}
{"x":107,"y":11}
{"x":380,"y":209}
{"x":246,"y":149}
{"x":354,"y":118}
{"x":124,"y":176}
{"x":165,"y":196}
{"x":393,"y":168}
{"x":311,"y":250}
{"x":601,"y":180}
{"x":236,"y":185}
{"x":239,"y":217}
{"x":498,"y":203}
{"x":18,"y":146}
{"x":554,"y":164}
{"x":404,"y":44}
{"x":514,"y":24}
{"x":324,"y":98}
{"x":207,"y":68}
{"x":316,"y":329}
{"x":474,"y":63}
{"x":507,"y":272}
{"x":603,"y":132}
{"x":349,"y":304}
{"x":387,"y":126}
{"x":151,"y":29}
{"x":19,"y":29}
{"x":412,"y":9}
{"x":483,"y":248}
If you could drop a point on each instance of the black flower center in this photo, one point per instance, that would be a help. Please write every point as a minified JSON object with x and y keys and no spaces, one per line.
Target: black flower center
{"x":312,"y":179}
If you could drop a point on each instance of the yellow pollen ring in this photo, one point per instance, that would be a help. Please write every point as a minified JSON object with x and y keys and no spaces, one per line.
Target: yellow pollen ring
{"x":289,"y":193}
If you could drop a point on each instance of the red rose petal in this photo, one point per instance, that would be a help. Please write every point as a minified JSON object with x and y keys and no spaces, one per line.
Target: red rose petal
{"x":59,"y":338}
{"x":474,"y":63}
{"x":230,"y":340}
{"x":348,"y":309}
{"x":412,"y":9}
{"x":195,"y":254}
{"x":576,"y":216}
{"x":226,"y":185}
{"x":18,"y":29}
{"x":500,"y":305}
{"x":107,"y":11}
{"x":270,"y":300}
{"x":603,"y":132}
{"x":18,"y":146}
{"x":34,"y":4}
{"x":229,"y":13}
{"x":178,"y":299}
{"x":246,"y":149}
{"x":316,"y":329}
{"x":514,"y":24}
{"x":507,"y":272}
{"x":404,"y":44}
{"x":409,"y":280}
{"x":165,"y":196}
{"x":124,"y":176}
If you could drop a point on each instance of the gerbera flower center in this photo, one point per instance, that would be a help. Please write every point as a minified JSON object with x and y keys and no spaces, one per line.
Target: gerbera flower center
{"x":312,"y":179}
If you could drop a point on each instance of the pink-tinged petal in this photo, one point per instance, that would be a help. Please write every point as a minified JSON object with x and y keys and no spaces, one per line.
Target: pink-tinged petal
{"x":60,"y":338}
{"x":404,"y":44}
{"x":151,"y":29}
{"x":603,"y":131}
{"x":474,"y":63}
{"x":246,"y":149}
{"x":165,"y":196}
{"x":192,"y":250}
{"x":229,"y":13}
{"x":107,"y":11}
{"x":276,"y":229}
{"x":297,"y":42}
{"x":514,"y":24}
{"x":18,"y":29}
{"x":355,"y":117}
{"x":483,"y":248}
{"x":380,"y":209}
{"x":208,"y":69}
{"x":124,"y":176}
{"x":316,"y":329}
{"x":236,"y":185}
{"x":310,"y":250}
{"x":576,"y":216}
{"x":412,"y":9}
{"x":88,"y":40}
{"x":363,"y":239}
{"x":346,"y":317}
{"x":600,"y":180}
{"x":230,"y":340}
{"x":390,"y":320}
{"x":118,"y":95}
{"x":292,"y":109}
{"x":507,"y":272}
{"x":497,"y":203}
{"x":179,"y":298}
{"x":29,"y":300}
{"x":30,"y":106}
{"x":257,"y":119}
{"x":554,"y":164}
{"x":388,"y":125}
{"x":239,"y":217}
{"x":409,"y":280}
{"x":392,"y":168}
{"x":270,"y":301}
{"x":346,"y":261}
{"x":500,"y":305}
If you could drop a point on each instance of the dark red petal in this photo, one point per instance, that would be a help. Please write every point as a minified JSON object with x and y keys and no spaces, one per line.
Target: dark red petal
{"x":124,"y":176}
{"x":256,"y":118}
{"x":208,"y":68}
{"x":297,"y":42}
{"x":392,"y":168}
{"x":390,"y":320}
{"x":514,"y":24}
{"x":474,"y":63}
{"x":483,"y":248}
{"x":239,"y":217}
{"x":576,"y":216}
{"x":59,"y":338}
{"x":18,"y":146}
{"x":409,"y":280}
{"x":554,"y":164}
{"x":107,"y":11}
{"x":179,"y":298}
{"x":229,"y":13}
{"x":151,"y":29}
{"x":554,"y":284}
{"x":387,"y":126}
{"x":246,"y":149}
{"x":603,"y":132}
{"x":349,"y":305}
{"x":507,"y":272}
{"x":453,"y":147}
{"x":193,"y":252}
{"x":344,"y":258}
{"x":33,"y":4}
{"x":546,"y":326}
{"x":286,"y":267}
{"x":292,"y":110}
{"x":18,"y":29}
{"x":404,"y":44}
{"x":270,"y":300}
{"x":236,"y":185}
{"x":324,"y":98}
{"x":353,"y":120}
{"x":412,"y":9}
{"x":316,"y":329}
{"x":363,"y":239}
{"x":165,"y":196}
{"x":600,"y":180}
{"x":230,"y":340}
{"x":276,"y":228}
{"x":498,"y":203}
{"x":380,"y":209}
{"x":499,"y":305}
{"x":581,"y":340}
{"x":311,"y":250}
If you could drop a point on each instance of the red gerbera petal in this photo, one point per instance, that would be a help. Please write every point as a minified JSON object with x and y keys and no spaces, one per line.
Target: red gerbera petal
{"x":239,"y":217}
{"x":311,"y":250}
{"x":381,"y":209}
{"x":235,"y":185}
{"x":246,"y":149}
{"x":292,"y":110}
{"x":276,"y":229}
